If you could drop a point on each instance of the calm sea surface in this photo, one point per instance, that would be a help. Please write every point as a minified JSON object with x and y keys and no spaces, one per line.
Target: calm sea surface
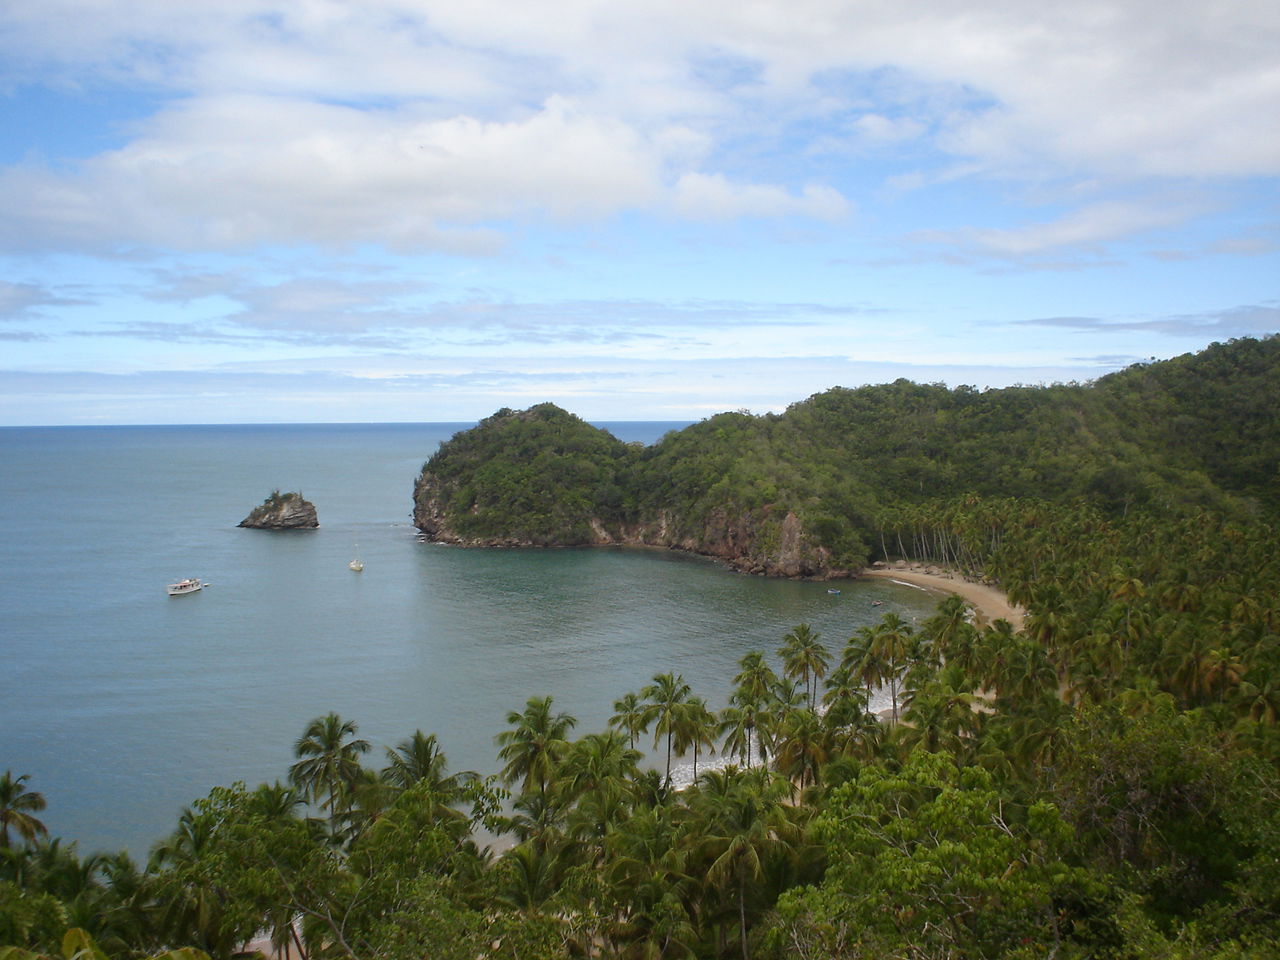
{"x":124,"y":704}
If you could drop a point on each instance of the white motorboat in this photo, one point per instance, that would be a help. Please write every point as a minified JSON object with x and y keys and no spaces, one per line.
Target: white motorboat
{"x":190,"y":585}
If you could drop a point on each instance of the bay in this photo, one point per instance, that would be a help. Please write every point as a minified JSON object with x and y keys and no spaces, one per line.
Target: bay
{"x":124,"y":705}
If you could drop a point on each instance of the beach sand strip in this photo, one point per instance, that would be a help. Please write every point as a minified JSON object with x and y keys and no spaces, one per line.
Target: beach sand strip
{"x":990,"y":603}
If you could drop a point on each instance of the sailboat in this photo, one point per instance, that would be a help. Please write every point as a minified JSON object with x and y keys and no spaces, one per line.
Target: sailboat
{"x":356,"y":563}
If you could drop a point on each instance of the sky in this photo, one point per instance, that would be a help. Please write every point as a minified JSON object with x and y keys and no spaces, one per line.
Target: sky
{"x":413,"y":210}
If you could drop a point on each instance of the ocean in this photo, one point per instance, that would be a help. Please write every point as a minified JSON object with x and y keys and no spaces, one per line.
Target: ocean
{"x":124,"y":704}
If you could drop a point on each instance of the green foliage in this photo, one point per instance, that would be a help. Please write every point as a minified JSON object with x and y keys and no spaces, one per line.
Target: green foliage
{"x":539,"y":476}
{"x":30,"y":919}
{"x":935,"y":856}
{"x":1151,"y":795}
{"x":1172,"y":438}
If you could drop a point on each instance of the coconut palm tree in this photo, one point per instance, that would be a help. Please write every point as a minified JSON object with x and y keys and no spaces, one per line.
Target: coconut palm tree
{"x":696,"y":728}
{"x":736,"y":723}
{"x":420,"y":759}
{"x":17,"y":808}
{"x":328,"y":762}
{"x":892,"y":642}
{"x":755,"y":677}
{"x":629,"y":715}
{"x":597,"y":762}
{"x":950,"y":626}
{"x":653,"y":888}
{"x":1261,"y":701}
{"x":861,"y":660}
{"x":940,"y":717}
{"x":535,"y":744}
{"x":667,"y":696}
{"x":803,"y":746}
{"x":742,"y":828}
{"x":804,"y":659}
{"x":277,"y":801}
{"x":529,"y":875}
{"x":191,"y":907}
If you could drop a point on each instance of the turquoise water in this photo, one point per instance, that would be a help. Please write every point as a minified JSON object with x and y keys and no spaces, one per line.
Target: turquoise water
{"x":124,"y":705}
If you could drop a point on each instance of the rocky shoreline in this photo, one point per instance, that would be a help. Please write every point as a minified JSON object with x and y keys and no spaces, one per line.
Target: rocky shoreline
{"x":732,"y":543}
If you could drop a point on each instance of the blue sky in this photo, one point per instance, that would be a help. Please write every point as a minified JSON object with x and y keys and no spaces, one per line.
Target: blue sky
{"x":380,"y":210}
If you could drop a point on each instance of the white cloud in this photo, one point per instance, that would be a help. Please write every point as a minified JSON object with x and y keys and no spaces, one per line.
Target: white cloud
{"x":1089,"y":228}
{"x":1125,"y":87}
{"x":240,"y":171}
{"x":882,"y":129}
{"x":713,"y":197}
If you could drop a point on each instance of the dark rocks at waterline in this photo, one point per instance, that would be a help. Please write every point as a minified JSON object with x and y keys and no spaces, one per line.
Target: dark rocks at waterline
{"x":282,"y":511}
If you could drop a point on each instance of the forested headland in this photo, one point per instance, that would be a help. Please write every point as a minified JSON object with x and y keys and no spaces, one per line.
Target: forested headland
{"x":1103,"y":783}
{"x":835,"y":480}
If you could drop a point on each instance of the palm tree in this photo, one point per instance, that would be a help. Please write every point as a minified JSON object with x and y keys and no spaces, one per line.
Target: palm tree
{"x":892,"y":646}
{"x":741,"y":725}
{"x":629,"y":715}
{"x":648,"y":873}
{"x":369,"y":797}
{"x":949,"y":627}
{"x":191,"y":907}
{"x":539,"y":818}
{"x":277,"y":801}
{"x":328,"y":761}
{"x":755,"y":677}
{"x":805,"y":659}
{"x":420,"y":759}
{"x":803,"y":746}
{"x":696,"y":728}
{"x":1262,"y":701}
{"x":940,"y":717}
{"x":743,"y":827}
{"x":535,"y":744}
{"x":737,"y":723}
{"x":17,"y":806}
{"x":598,"y":762}
{"x":861,"y":661}
{"x":666,"y":695}
{"x":528,"y":876}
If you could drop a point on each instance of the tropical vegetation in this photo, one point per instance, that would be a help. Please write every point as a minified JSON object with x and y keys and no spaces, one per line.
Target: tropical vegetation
{"x":1102,"y":782}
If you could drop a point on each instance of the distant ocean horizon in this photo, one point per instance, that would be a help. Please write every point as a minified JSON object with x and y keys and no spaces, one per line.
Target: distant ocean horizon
{"x":124,"y":705}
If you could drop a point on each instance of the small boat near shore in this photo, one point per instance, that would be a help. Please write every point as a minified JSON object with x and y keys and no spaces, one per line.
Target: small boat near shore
{"x":190,"y":585}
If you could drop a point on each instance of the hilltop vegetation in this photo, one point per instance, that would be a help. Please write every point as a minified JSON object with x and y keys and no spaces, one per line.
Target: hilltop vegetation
{"x":813,"y":490}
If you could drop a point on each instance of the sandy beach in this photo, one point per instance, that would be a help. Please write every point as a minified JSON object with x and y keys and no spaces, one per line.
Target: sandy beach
{"x":989,"y":602}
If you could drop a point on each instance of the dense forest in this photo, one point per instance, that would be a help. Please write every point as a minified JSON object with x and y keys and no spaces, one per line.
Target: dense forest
{"x":1104,"y":782}
{"x":813,"y":490}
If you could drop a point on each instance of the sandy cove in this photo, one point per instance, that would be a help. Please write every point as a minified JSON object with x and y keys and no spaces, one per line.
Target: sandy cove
{"x":990,"y":603}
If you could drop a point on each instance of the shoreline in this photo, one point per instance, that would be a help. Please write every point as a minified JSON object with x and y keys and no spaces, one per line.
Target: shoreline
{"x":990,"y":602}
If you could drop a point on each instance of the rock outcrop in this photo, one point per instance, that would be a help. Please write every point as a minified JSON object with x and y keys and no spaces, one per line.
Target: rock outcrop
{"x":282,"y":511}
{"x":749,"y":544}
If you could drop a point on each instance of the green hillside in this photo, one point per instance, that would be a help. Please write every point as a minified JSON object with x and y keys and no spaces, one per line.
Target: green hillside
{"x":1193,"y":433}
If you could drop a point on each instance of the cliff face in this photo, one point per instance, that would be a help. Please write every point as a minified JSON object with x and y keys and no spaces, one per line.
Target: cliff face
{"x":757,"y":544}
{"x":282,"y":511}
